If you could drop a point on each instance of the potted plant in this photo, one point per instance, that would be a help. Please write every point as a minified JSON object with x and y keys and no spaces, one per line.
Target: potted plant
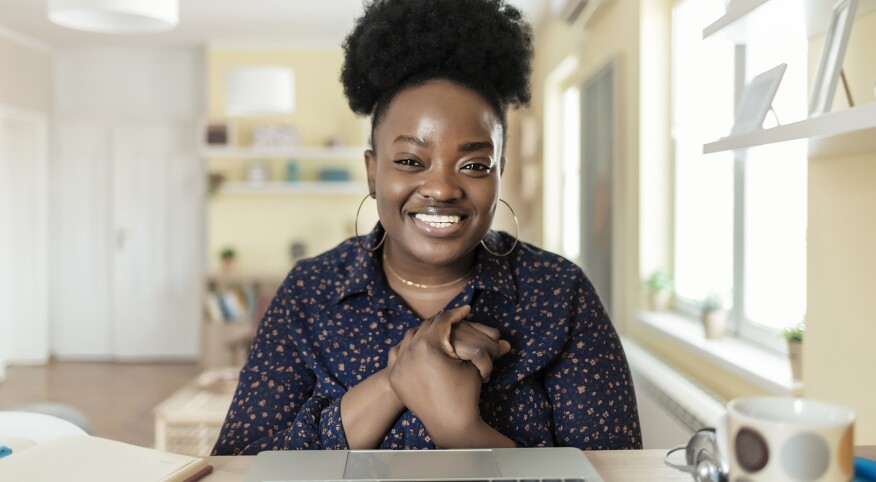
{"x":228,"y":256}
{"x":713,"y":316}
{"x":794,"y":336}
{"x":659,"y":288}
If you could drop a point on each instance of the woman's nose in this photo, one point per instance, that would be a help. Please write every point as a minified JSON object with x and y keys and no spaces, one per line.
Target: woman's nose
{"x":441,"y":184}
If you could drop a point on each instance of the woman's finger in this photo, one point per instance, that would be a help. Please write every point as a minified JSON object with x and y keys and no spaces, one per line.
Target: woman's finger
{"x":442,"y":324}
{"x":487,"y":330}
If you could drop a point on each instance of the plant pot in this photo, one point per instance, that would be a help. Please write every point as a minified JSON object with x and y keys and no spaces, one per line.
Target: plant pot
{"x":714,"y":323}
{"x":795,"y":353}
{"x":659,"y":300}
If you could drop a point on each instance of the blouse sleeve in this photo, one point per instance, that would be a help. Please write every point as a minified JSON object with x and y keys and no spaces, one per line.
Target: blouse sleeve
{"x":590,"y":387}
{"x":274,"y":407}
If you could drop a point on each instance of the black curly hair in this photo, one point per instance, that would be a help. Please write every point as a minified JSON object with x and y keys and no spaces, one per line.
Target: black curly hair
{"x":484,"y":45}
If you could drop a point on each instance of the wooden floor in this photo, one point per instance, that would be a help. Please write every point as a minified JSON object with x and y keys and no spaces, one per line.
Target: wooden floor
{"x":117,"y":398}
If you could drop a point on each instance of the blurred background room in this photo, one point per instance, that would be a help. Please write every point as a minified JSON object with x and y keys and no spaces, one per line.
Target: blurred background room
{"x":156,"y":187}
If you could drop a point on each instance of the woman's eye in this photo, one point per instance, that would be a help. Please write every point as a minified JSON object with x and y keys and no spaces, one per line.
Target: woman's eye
{"x":407,"y":162}
{"x":476,"y":166}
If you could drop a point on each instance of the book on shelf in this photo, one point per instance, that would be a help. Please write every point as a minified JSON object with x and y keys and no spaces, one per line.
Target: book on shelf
{"x":81,"y":458}
{"x":232,"y":306}
{"x":213,"y":308}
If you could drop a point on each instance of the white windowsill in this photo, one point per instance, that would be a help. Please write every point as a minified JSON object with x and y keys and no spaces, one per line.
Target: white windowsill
{"x":767,"y":370}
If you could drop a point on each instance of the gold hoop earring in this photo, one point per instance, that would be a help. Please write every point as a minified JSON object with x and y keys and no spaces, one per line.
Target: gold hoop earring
{"x":356,"y":228}
{"x":516,"y":237}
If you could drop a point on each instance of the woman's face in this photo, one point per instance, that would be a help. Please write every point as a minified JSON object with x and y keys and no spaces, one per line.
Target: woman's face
{"x":436,"y":171}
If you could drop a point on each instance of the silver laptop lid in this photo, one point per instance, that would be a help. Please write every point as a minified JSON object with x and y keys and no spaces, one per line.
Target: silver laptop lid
{"x":423,"y":465}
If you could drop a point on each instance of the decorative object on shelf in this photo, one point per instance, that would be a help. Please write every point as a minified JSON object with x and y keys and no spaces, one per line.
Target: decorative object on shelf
{"x":794,"y":336}
{"x":214,"y":182}
{"x":275,"y":135}
{"x":659,"y":289}
{"x":756,"y":100}
{"x":228,"y":255}
{"x":831,"y":60}
{"x":713,"y":316}
{"x":334,"y":174}
{"x":115,"y":16}
{"x":258,"y":173}
{"x":334,"y":142}
{"x":292,"y":172}
{"x":259,"y":90}
{"x":217,"y":133}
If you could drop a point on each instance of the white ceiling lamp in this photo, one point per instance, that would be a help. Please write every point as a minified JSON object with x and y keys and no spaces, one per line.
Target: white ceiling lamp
{"x":115,"y":16}
{"x":263,"y":90}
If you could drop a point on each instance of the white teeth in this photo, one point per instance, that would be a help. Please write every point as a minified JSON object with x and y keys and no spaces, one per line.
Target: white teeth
{"x":437,"y":221}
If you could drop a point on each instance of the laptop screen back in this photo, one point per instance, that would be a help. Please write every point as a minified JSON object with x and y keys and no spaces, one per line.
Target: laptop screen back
{"x":407,"y":465}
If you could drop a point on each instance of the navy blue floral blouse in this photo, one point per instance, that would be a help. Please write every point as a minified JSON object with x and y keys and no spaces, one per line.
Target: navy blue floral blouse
{"x":565,"y":382}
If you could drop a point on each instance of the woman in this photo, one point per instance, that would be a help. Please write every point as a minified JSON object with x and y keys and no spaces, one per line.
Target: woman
{"x":434,"y":331}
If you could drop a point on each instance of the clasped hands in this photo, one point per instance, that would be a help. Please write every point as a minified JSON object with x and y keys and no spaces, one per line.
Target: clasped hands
{"x":437,"y":371}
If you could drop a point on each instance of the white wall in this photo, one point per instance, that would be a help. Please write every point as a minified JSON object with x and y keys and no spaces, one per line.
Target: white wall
{"x":98,"y":94}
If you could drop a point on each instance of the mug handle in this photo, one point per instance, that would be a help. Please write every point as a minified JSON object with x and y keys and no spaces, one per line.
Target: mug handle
{"x":684,"y":468}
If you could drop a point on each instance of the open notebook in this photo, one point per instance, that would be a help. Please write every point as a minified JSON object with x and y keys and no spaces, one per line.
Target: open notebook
{"x":80,"y":458}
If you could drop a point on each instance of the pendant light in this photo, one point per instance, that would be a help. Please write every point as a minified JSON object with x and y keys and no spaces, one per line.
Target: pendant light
{"x":115,"y":16}
{"x":259,"y":90}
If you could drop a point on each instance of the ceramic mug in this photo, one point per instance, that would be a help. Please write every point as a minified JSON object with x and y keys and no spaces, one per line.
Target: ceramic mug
{"x":774,"y":439}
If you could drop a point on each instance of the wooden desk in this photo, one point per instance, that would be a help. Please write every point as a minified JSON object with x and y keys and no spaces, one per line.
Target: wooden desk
{"x":613,"y":465}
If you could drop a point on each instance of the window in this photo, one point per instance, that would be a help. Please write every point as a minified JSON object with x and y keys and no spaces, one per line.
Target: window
{"x":740,"y":218}
{"x":571,"y":174}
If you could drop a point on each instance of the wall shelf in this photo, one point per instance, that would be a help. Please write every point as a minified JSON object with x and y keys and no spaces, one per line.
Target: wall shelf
{"x":316,"y":153}
{"x":849,"y":131}
{"x":746,"y":17}
{"x":304,"y":187}
{"x":737,"y":11}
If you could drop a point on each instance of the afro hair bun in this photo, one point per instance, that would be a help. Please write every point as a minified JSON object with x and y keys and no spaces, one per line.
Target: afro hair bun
{"x":483,"y":44}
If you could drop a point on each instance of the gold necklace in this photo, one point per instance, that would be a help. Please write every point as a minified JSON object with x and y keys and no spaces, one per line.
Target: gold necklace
{"x":419,"y":285}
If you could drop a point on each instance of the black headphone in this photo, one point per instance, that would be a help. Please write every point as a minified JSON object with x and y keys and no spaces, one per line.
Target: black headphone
{"x":701,"y":456}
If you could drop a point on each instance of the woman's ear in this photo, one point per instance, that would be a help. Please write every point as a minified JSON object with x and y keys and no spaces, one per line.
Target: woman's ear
{"x":371,"y":170}
{"x":502,"y":166}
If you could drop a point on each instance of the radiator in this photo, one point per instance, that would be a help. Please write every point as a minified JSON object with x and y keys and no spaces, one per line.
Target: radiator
{"x":671,"y":406}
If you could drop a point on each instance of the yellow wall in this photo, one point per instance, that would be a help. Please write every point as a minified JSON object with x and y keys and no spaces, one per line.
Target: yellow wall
{"x":321,"y":110}
{"x":261,"y":227}
{"x":838,"y":358}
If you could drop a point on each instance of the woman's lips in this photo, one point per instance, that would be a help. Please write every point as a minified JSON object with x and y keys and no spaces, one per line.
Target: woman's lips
{"x":438,"y":225}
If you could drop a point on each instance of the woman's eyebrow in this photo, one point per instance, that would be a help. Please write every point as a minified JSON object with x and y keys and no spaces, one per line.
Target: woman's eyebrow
{"x":475,"y":146}
{"x":412,"y":140}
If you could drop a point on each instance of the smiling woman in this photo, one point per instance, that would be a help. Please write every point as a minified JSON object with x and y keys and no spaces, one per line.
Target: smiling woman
{"x":433,"y":330}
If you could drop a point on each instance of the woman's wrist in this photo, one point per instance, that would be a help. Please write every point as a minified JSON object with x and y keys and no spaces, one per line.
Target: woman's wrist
{"x":478,"y":434}
{"x":388,"y":393}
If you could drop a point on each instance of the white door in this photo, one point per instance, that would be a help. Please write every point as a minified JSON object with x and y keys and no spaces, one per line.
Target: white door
{"x":157,"y":217}
{"x":23,"y":250}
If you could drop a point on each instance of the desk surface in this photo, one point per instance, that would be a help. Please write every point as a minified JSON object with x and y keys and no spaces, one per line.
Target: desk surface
{"x":613,"y":465}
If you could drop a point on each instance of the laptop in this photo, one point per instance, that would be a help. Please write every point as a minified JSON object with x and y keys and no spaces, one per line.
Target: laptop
{"x":523,"y":464}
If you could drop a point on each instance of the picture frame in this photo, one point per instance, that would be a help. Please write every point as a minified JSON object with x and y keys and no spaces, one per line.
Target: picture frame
{"x":831,"y":60}
{"x":756,"y":100}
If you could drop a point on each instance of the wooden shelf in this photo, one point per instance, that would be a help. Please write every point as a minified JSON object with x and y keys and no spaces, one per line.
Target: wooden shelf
{"x":315,"y":153}
{"x":304,"y":188}
{"x":850,"y":131}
